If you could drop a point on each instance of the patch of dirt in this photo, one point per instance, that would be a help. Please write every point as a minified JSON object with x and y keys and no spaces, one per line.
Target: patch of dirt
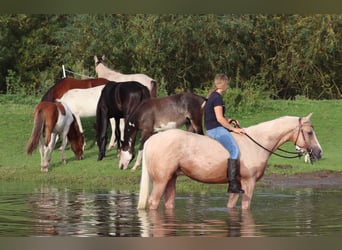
{"x":317,"y":179}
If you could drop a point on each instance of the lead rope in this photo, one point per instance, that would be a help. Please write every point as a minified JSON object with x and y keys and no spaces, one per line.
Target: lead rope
{"x":297,"y":154}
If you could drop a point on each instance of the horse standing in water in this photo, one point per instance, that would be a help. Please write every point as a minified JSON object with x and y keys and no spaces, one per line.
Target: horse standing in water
{"x":158,"y":114}
{"x":117,"y":100}
{"x":52,"y":118}
{"x":175,"y":152}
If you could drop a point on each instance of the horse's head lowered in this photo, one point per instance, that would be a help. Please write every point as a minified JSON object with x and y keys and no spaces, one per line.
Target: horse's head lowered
{"x":305,"y":138}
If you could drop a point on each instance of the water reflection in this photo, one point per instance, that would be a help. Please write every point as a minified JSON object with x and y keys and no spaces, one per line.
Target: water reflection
{"x":49,"y":211}
{"x":164,"y":224}
{"x":84,"y":214}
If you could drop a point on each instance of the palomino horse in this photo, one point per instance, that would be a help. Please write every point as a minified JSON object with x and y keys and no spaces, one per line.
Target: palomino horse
{"x":158,"y":114}
{"x":176,"y":152}
{"x":52,"y":118}
{"x":104,"y":72}
{"x":60,"y":88}
{"x":117,"y":100}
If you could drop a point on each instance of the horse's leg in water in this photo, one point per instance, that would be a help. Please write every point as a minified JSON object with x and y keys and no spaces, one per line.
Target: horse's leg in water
{"x":170,"y":193}
{"x":233,"y":198}
{"x":156,"y":194}
{"x":248,"y":186}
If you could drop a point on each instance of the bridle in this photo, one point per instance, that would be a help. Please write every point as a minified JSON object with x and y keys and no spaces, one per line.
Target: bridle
{"x":296,"y":154}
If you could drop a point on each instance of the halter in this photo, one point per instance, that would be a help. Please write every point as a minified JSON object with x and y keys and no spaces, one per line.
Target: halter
{"x":298,"y":154}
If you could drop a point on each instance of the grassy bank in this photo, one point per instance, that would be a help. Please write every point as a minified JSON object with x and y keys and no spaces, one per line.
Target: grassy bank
{"x":16,"y":124}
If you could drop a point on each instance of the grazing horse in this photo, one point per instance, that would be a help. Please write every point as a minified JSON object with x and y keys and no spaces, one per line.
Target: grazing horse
{"x":117,"y":100}
{"x":63,"y":86}
{"x":52,"y":118}
{"x":158,"y":114}
{"x":103,"y":71}
{"x":176,"y":152}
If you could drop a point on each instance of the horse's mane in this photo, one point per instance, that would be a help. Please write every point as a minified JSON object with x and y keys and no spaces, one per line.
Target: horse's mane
{"x":48,"y":96}
{"x":274,"y":123}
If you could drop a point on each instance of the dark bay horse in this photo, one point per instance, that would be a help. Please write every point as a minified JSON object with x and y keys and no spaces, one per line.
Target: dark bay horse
{"x":117,"y":100}
{"x":103,"y":71}
{"x":50,"y":119}
{"x":158,"y":114}
{"x":176,"y":152}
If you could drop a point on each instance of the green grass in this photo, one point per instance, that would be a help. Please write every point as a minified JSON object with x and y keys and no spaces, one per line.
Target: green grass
{"x":16,"y":124}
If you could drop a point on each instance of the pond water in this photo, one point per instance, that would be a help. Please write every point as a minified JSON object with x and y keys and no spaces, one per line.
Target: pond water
{"x":49,"y":211}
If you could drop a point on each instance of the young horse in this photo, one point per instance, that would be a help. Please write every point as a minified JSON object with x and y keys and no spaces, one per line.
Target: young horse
{"x":52,"y":118}
{"x":174,"y":152}
{"x":103,"y":71}
{"x":158,"y":114}
{"x":117,"y":100}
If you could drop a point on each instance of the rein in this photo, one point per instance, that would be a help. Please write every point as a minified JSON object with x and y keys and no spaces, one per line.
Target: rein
{"x":298,"y":154}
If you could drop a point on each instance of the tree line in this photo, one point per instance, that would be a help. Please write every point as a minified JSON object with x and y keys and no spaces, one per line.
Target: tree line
{"x":284,"y":56}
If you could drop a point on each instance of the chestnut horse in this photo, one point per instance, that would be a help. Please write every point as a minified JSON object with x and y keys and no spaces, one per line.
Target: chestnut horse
{"x":176,"y":152}
{"x":158,"y":114}
{"x":103,"y":71}
{"x":117,"y":100}
{"x":52,"y":118}
{"x":63,"y":86}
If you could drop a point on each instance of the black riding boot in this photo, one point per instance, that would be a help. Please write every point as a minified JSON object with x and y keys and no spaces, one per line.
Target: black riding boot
{"x":232,"y":174}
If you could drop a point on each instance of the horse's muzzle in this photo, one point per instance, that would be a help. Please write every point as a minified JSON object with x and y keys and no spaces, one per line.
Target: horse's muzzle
{"x":315,"y":154}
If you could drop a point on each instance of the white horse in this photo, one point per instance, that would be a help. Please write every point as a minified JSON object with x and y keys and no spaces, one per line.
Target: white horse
{"x":83,"y":103}
{"x":176,"y":152}
{"x":52,"y":119}
{"x":103,"y":71}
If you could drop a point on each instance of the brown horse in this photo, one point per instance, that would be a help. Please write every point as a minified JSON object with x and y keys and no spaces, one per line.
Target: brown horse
{"x":174,"y":152}
{"x":65,"y":84}
{"x":158,"y":114}
{"x":52,"y":118}
{"x":67,"y":87}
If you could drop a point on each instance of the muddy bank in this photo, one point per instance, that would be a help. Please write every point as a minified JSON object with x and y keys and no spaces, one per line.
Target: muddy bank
{"x":319,"y":179}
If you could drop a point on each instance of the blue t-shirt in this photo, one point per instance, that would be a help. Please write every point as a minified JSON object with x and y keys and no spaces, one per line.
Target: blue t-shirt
{"x":210,"y":121}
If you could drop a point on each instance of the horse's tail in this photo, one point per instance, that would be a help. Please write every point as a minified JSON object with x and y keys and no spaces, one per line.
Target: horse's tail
{"x":145,"y":183}
{"x":204,"y":102}
{"x":37,"y":131}
{"x":154,"y":88}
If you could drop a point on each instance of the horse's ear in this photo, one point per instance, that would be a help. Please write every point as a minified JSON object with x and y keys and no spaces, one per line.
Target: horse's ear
{"x":308,"y":116}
